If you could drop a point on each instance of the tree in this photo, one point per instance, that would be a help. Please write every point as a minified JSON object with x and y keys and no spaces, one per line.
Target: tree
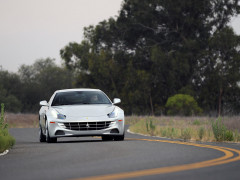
{"x":152,"y":50}
{"x":10,"y":91}
{"x":40,"y":80}
{"x":221,"y":67}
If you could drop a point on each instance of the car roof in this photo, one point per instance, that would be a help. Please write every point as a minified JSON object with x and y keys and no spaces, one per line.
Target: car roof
{"x":77,"y":89}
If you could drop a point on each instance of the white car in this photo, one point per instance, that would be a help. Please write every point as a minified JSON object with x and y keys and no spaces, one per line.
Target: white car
{"x":80,"y":112}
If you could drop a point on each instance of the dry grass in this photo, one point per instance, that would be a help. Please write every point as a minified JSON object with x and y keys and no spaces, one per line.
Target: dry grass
{"x":232,"y":123}
{"x":21,"y":120}
{"x":164,"y":126}
{"x":188,"y":128}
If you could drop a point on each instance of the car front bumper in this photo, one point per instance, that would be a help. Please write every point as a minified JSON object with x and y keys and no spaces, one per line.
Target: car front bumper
{"x":91,"y":127}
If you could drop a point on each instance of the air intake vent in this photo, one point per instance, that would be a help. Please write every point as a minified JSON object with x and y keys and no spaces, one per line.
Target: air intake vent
{"x":86,"y":126}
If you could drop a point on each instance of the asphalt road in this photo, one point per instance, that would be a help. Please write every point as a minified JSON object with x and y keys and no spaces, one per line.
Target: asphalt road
{"x":134,"y":158}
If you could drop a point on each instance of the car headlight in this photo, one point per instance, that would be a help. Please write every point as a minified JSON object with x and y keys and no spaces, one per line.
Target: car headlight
{"x":113,"y":114}
{"x":57,"y":115}
{"x":61,"y":116}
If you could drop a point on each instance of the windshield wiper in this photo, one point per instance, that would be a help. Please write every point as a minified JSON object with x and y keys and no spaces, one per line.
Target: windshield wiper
{"x":60,"y":104}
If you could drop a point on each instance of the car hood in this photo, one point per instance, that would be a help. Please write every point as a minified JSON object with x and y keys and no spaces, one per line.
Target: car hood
{"x":85,"y":110}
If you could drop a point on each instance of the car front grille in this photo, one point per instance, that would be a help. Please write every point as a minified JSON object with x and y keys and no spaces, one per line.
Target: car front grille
{"x":85,"y":126}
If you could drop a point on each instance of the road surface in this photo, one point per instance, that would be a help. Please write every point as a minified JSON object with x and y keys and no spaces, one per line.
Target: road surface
{"x":138,"y":157}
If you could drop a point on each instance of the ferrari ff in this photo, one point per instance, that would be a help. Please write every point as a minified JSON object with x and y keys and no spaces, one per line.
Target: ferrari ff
{"x":80,"y":112}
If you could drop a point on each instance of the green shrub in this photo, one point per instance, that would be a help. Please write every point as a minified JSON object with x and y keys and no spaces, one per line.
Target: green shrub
{"x":201,"y":132}
{"x":182,"y":104}
{"x":6,"y":141}
{"x":221,"y":133}
{"x":228,"y":135}
{"x":3,"y":143}
{"x":218,"y":129}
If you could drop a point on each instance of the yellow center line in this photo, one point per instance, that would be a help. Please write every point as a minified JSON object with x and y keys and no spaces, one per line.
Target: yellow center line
{"x":236,"y":158}
{"x":227,"y":158}
{"x":227,"y":155}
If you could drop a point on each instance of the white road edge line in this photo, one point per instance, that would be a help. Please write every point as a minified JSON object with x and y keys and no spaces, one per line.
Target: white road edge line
{"x":4,"y":153}
{"x":147,"y":135}
{"x":193,"y":141}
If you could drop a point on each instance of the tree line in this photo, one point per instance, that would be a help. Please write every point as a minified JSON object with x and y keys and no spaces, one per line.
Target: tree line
{"x":151,"y":51}
{"x":22,"y":91}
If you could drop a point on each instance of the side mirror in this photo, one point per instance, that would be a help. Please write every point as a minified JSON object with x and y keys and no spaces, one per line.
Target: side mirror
{"x":116,"y":101}
{"x":43,"y":103}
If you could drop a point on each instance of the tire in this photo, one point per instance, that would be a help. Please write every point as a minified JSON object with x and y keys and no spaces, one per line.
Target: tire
{"x":48,"y":138}
{"x":107,"y":138}
{"x":119,"y":138}
{"x":42,"y":138}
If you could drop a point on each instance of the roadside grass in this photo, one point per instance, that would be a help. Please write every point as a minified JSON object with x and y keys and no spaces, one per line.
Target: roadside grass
{"x":21,"y":120}
{"x":6,"y":140}
{"x":187,"y":128}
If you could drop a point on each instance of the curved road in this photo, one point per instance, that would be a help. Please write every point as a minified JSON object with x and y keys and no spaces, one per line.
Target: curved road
{"x":138,"y":157}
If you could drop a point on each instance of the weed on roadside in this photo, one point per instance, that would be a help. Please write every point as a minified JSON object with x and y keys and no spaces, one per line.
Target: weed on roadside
{"x":221,"y":133}
{"x":196,"y":122}
{"x":186,"y":134}
{"x":6,"y":140}
{"x":201,"y":132}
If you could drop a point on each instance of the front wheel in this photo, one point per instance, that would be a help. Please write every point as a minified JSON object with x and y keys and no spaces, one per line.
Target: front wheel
{"x":48,"y":138}
{"x":107,"y":138}
{"x":119,"y":138}
{"x":42,"y":138}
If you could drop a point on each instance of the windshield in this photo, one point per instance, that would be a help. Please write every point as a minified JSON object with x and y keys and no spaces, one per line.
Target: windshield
{"x":80,"y":97}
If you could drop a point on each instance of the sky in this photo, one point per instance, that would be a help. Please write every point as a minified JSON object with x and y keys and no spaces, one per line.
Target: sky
{"x":35,"y":29}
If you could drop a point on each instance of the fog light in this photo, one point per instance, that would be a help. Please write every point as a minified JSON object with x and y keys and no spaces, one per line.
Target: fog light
{"x":59,"y":132}
{"x":114,"y":131}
